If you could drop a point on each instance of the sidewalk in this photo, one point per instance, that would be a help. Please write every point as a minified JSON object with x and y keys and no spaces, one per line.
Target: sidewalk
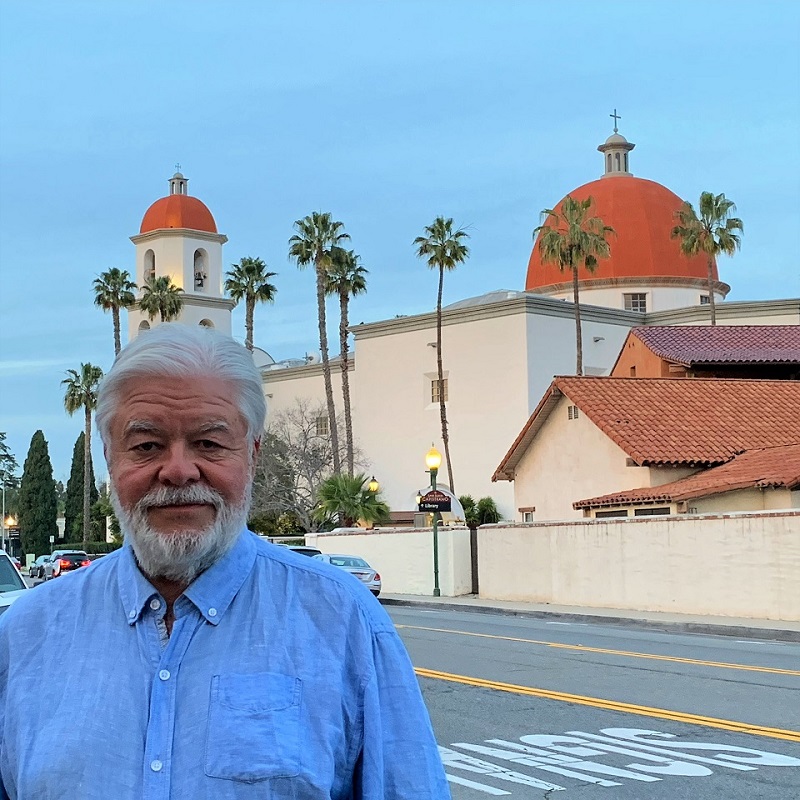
{"x":778,"y":630}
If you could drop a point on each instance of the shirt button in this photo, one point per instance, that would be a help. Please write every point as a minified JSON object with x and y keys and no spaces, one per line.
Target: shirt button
{"x":155,"y":604}
{"x":132,"y":614}
{"x":156,"y":765}
{"x":164,"y":674}
{"x":212,"y":612}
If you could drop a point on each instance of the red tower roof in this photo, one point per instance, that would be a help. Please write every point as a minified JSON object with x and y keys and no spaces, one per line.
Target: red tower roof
{"x":178,"y":211}
{"x":642,"y":213}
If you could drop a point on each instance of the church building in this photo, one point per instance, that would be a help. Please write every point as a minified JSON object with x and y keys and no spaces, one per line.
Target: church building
{"x":501,"y":350}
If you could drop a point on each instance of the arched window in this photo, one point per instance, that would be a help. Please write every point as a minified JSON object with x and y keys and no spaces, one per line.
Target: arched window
{"x":206,"y":323}
{"x":616,"y":160}
{"x":608,"y":158}
{"x":144,"y":325}
{"x":149,"y":265}
{"x":200,"y":270}
{"x":626,"y":162}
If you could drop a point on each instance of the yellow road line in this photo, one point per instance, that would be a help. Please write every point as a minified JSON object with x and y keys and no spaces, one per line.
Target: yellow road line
{"x":628,"y":653}
{"x":613,"y":705}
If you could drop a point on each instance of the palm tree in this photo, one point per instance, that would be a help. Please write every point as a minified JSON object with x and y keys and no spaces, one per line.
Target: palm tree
{"x":161,"y":297}
{"x":712,"y":233}
{"x":113,"y":290}
{"x":347,"y":499}
{"x":249,"y":279}
{"x":316,"y":235}
{"x":346,"y":278}
{"x":570,"y":239}
{"x":82,"y":393}
{"x":445,"y":250}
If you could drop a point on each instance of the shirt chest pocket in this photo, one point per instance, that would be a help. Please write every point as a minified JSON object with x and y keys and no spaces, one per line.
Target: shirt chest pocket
{"x":254,"y":727}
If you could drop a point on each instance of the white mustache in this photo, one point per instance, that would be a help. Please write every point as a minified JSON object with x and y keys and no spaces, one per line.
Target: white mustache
{"x":181,"y":496}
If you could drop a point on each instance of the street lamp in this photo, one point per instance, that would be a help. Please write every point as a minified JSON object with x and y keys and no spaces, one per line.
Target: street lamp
{"x":433,"y":460}
{"x":373,"y":485}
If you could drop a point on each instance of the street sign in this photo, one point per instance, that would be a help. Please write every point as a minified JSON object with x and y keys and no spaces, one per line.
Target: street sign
{"x":52,"y":539}
{"x":435,"y":501}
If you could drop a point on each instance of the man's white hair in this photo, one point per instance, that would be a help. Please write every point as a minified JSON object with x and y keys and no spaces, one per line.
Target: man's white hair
{"x":176,"y":350}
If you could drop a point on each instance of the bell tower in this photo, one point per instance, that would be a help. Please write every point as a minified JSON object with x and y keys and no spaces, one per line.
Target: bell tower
{"x":178,"y":239}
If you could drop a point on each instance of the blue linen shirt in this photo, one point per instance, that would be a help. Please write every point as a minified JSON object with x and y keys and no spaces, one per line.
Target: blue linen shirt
{"x":283,"y":678}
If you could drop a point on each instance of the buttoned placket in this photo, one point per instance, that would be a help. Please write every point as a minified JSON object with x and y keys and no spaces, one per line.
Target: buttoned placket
{"x":166,"y":663}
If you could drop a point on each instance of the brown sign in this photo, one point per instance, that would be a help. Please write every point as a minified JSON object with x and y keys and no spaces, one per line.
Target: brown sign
{"x":435,"y":501}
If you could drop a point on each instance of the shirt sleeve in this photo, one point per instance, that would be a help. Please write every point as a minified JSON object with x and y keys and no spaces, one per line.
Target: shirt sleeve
{"x":399,"y":756}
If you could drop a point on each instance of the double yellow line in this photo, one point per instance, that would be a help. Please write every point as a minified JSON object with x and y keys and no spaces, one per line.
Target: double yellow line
{"x":613,"y":705}
{"x":627,"y":653}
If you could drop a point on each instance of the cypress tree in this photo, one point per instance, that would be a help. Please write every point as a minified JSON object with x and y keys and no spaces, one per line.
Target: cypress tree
{"x":73,"y":501}
{"x":38,"y":505}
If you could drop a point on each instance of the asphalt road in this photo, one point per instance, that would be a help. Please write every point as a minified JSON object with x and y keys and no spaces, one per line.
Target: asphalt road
{"x":527,"y":709}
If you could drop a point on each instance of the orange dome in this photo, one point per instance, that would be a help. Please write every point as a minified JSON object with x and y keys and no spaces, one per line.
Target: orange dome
{"x":642,"y":214}
{"x":178,"y":211}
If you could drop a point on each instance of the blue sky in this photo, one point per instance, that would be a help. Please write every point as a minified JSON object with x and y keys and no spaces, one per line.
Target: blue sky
{"x":384,"y":113}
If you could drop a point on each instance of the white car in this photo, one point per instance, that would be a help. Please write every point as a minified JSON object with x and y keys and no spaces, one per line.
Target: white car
{"x":357,"y":567}
{"x":11,"y":583}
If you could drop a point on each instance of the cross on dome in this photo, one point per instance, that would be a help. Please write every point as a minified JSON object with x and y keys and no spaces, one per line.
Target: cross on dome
{"x":616,"y":117}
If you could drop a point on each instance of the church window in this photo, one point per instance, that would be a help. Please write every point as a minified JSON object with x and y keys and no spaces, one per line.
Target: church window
{"x":435,"y":396}
{"x":651,"y":512}
{"x":200,"y":270}
{"x":705,"y":300}
{"x":144,"y":325}
{"x":636,"y":301}
{"x":322,"y":425}
{"x":149,"y":265}
{"x":608,"y":158}
{"x":206,"y":323}
{"x":616,"y":159}
{"x":626,"y":161}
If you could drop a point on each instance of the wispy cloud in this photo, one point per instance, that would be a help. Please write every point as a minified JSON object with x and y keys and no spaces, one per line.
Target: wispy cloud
{"x":23,"y":366}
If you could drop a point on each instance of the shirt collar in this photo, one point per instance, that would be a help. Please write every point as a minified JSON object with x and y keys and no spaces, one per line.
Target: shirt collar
{"x":211,"y":592}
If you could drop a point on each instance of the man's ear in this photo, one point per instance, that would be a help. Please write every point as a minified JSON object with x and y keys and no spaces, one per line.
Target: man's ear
{"x":256,"y":448}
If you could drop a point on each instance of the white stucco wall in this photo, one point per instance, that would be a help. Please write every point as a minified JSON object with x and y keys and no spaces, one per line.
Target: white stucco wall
{"x":570,"y":460}
{"x":658,"y":298}
{"x":747,"y":500}
{"x":745,"y":565}
{"x":404,"y":557}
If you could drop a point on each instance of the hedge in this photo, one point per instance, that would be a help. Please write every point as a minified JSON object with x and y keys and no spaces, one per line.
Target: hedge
{"x":91,"y":547}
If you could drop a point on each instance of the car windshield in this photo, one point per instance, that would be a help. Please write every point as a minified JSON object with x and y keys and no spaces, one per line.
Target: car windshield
{"x":348,"y":561}
{"x":10,"y":580}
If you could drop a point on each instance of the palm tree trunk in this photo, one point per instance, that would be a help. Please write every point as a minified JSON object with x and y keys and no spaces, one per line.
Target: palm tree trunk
{"x":87,"y":463}
{"x":711,"y":302}
{"x":440,"y":369}
{"x":348,"y":420}
{"x":249,"y":305}
{"x":326,"y":368}
{"x":578,"y":334}
{"x":115,"y":317}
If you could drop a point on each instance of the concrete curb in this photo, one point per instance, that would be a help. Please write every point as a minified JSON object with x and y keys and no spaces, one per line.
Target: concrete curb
{"x":706,"y":628}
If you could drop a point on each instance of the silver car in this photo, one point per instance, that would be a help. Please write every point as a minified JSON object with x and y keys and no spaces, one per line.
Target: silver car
{"x":36,"y":570}
{"x":355,"y":566}
{"x":11,"y":583}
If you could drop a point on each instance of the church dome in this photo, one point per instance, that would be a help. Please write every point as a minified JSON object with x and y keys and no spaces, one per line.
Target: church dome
{"x":642,"y":214}
{"x":178,"y":210}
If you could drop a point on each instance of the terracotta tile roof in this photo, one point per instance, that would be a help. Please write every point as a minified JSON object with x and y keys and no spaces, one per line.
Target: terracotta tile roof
{"x":763,"y":468}
{"x":686,"y":421}
{"x":723,"y":344}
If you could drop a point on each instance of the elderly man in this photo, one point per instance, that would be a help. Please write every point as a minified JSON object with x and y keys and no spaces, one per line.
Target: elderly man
{"x":198,"y":661}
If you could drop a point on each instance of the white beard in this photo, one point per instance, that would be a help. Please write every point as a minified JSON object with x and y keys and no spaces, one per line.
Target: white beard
{"x":181,"y":556}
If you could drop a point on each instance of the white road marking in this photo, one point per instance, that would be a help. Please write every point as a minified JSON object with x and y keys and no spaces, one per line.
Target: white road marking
{"x":481,"y":787}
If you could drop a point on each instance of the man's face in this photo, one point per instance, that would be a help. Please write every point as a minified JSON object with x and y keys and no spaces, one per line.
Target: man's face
{"x":179,"y":458}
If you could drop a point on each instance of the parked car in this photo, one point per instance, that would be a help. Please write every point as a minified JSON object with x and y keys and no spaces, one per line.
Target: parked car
{"x":64,"y":561}
{"x":36,"y":570}
{"x":355,"y":566}
{"x":17,"y":563}
{"x":11,"y":583}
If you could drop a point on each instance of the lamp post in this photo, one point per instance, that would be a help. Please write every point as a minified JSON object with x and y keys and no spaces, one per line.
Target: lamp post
{"x":3,"y":539}
{"x":433,"y":460}
{"x":373,"y":485}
